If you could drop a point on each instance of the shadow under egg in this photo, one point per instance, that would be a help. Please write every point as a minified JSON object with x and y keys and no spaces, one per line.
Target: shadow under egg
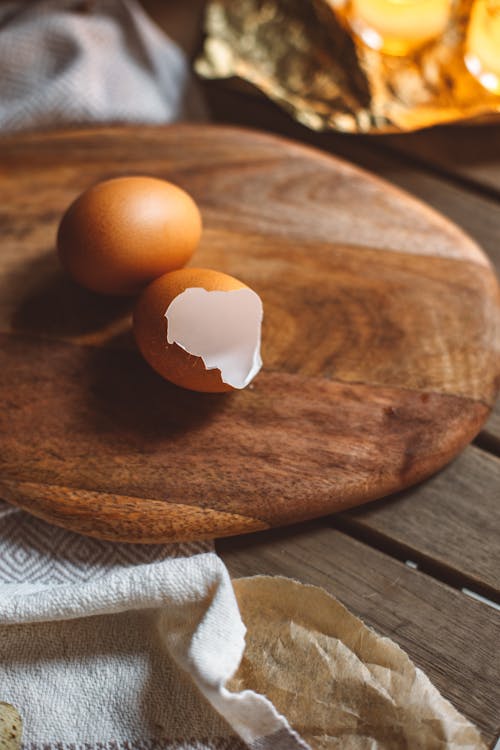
{"x":53,"y":305}
{"x":128,"y":401}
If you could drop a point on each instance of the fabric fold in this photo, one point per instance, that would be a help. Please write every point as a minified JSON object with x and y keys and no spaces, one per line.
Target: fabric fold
{"x":67,"y":62}
{"x":92,"y":636}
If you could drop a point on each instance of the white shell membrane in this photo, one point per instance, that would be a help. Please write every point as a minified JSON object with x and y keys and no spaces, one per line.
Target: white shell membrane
{"x":221,"y":327}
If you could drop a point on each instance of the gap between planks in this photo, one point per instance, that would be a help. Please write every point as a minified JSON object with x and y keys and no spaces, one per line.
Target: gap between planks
{"x":415,"y":560}
{"x":445,"y":524}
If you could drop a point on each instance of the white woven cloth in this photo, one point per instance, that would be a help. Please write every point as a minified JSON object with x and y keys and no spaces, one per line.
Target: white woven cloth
{"x":92,"y":635}
{"x":65,"y":62}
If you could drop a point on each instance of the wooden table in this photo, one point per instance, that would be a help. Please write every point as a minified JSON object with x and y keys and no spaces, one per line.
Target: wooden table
{"x":411,"y":566}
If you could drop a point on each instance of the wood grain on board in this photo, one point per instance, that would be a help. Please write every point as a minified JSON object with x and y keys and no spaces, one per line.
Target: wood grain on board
{"x":449,"y":635}
{"x":380,"y":343}
{"x":395,"y":158}
{"x":442,"y":166}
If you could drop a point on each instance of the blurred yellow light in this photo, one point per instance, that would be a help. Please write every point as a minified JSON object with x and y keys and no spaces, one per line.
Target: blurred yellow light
{"x":482,"y":55}
{"x":398,"y":27}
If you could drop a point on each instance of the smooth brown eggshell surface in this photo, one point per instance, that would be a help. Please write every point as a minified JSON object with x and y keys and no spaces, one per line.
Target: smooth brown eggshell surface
{"x":150,"y":328}
{"x":121,"y":234}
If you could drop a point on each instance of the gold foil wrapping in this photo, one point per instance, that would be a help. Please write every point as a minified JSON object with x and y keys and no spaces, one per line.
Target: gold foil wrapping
{"x":301,"y":54}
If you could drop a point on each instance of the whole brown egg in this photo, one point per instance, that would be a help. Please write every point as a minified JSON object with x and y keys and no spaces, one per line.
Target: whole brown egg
{"x":122,"y":233}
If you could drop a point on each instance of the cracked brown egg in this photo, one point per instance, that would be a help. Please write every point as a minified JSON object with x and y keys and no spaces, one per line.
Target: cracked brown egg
{"x":122,"y":233}
{"x":200,"y":329}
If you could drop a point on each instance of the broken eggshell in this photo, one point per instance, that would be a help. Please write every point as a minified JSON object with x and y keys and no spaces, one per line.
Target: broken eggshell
{"x":200,"y":329}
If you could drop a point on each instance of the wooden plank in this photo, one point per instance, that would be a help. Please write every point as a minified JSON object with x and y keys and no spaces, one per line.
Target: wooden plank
{"x":449,"y":635}
{"x":447,"y":525}
{"x":470,"y":153}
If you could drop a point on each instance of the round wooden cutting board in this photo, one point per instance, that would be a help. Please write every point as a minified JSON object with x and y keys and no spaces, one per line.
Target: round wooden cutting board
{"x":380,"y":343}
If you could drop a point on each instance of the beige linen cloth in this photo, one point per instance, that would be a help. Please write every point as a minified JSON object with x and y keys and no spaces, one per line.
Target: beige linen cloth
{"x":106,"y":646}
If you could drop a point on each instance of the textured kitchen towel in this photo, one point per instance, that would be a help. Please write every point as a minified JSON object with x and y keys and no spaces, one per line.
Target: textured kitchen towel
{"x":92,"y":635}
{"x":65,"y":62}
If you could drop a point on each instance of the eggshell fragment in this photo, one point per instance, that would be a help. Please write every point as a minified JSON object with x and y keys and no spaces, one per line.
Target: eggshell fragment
{"x":120,"y":234}
{"x":200,"y":329}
